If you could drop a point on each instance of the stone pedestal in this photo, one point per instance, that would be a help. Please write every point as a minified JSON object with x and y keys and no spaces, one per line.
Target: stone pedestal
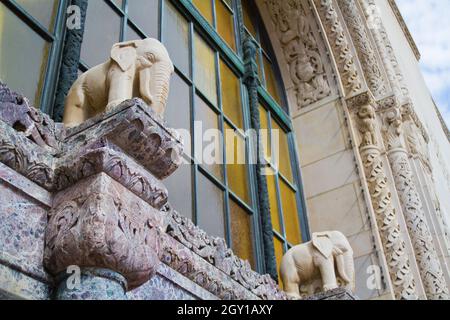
{"x":91,"y":199}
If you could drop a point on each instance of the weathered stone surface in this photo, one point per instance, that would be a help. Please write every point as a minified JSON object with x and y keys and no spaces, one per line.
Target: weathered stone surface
{"x":109,"y":210}
{"x":98,"y":223}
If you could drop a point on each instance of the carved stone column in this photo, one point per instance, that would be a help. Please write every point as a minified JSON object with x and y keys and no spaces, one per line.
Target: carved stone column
{"x":362,"y":108}
{"x":426,"y":255}
{"x":367,"y":55}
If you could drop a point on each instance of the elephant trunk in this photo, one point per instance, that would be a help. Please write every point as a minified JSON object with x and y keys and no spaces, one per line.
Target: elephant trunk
{"x":345,"y":267}
{"x":145,"y":77}
{"x":155,"y":84}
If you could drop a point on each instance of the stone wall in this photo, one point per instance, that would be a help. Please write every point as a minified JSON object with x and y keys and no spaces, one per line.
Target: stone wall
{"x":89,"y":201}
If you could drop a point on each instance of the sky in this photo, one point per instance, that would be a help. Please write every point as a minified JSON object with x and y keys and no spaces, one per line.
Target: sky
{"x":429,"y":23}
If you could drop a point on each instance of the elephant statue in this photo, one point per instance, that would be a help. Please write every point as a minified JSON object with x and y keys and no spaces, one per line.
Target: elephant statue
{"x":318,"y":260}
{"x":136,"y":69}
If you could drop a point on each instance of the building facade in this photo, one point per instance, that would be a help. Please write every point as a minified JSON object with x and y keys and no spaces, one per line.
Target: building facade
{"x":354,"y":140}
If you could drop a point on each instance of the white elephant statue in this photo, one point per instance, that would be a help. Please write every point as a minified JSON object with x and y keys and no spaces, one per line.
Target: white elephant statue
{"x":136,"y":69}
{"x":318,"y":259}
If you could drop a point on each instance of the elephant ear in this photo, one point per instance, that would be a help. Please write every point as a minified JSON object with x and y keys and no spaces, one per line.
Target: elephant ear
{"x":322,"y":243}
{"x":124,"y":54}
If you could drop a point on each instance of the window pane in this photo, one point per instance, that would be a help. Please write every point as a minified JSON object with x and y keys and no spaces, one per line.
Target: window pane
{"x":236,"y":168}
{"x":248,"y":19}
{"x":241,"y":233}
{"x":43,"y":11}
{"x":279,"y":252}
{"x":205,"y":69}
{"x":23,"y":56}
{"x":264,"y":123}
{"x":210,"y":207}
{"x":132,"y":34}
{"x":144,"y":13}
{"x":176,"y":37}
{"x":273,"y":200}
{"x":205,"y":8}
{"x":283,"y":161}
{"x":271,"y":80}
{"x":225,"y":24}
{"x":101,"y":32}
{"x":178,"y":113}
{"x":231,"y":95}
{"x":179,"y":185}
{"x":290,"y":213}
{"x":210,"y":152}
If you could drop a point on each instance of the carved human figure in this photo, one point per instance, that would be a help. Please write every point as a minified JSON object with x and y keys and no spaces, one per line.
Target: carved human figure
{"x":136,"y":69}
{"x":319,"y":259}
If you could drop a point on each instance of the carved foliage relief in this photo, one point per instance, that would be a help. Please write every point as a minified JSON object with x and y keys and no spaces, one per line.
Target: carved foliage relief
{"x":301,"y":51}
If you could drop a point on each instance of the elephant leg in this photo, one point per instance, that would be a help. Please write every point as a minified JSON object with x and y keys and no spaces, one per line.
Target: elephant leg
{"x":292,"y":289}
{"x":120,"y":88}
{"x":328,"y":274}
{"x":75,"y":111}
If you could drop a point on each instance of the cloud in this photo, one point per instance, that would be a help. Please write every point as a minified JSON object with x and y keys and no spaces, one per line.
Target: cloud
{"x":429,"y":24}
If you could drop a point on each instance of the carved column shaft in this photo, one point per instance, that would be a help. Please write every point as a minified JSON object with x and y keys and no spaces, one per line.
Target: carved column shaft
{"x":361,"y":40}
{"x":419,"y":231}
{"x":386,"y":216}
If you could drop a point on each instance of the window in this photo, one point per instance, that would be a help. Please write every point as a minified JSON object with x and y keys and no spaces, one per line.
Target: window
{"x":284,"y":196}
{"x":30,"y":42}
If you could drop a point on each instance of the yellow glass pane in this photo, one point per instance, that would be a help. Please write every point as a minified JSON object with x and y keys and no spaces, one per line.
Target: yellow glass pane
{"x":271,"y":80}
{"x":231,"y":95}
{"x":225,"y":24}
{"x":205,"y":70}
{"x":205,"y":8}
{"x":278,"y":246}
{"x":273,"y":202}
{"x":236,"y":168}
{"x":290,"y":214}
{"x":241,"y":233}
{"x":209,"y":152}
{"x":248,"y":20}
{"x":23,"y":56}
{"x":281,"y":148}
{"x":265,"y":134}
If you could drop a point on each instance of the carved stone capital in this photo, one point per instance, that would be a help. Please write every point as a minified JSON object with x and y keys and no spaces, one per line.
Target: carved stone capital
{"x":98,"y":223}
{"x":363,"y":99}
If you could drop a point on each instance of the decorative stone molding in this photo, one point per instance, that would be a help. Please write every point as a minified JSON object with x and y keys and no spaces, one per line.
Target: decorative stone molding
{"x":426,"y":254}
{"x":95,"y":224}
{"x":300,"y":48}
{"x":215,"y":251}
{"x":367,"y":55}
{"x":384,"y":46}
{"x":341,"y":47}
{"x":394,"y":246}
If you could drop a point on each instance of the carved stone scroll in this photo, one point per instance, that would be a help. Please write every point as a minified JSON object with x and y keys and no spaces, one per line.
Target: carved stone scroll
{"x":366,"y":53}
